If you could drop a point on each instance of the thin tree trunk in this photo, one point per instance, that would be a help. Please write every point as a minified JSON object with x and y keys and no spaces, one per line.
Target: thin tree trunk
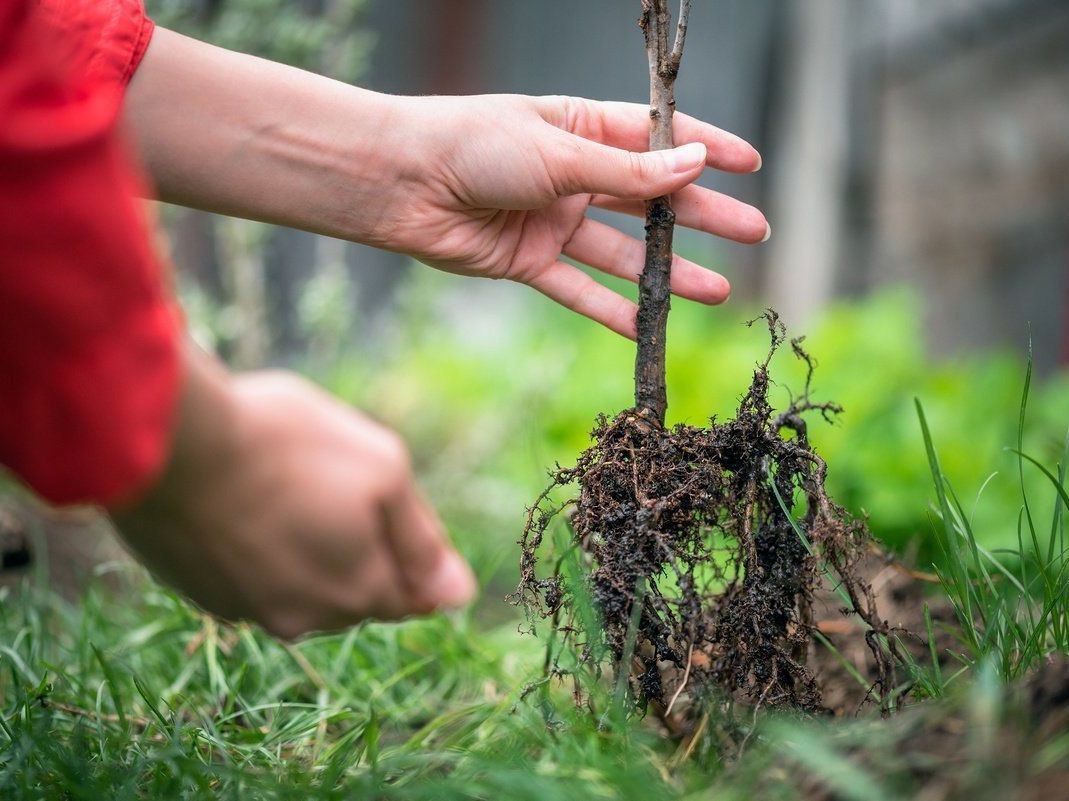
{"x":651,"y":396}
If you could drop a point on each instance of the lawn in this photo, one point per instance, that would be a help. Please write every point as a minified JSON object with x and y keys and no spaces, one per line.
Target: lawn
{"x":131,"y":693}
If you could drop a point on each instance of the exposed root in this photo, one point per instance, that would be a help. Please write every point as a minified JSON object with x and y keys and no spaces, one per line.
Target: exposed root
{"x":689,"y":523}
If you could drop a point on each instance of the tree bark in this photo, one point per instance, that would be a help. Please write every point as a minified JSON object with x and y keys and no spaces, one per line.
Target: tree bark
{"x":654,"y":292}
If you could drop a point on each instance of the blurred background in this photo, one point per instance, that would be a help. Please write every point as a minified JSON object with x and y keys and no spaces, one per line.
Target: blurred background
{"x":905,"y":142}
{"x":916,"y":179}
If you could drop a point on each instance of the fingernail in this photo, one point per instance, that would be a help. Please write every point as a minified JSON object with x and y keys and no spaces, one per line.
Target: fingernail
{"x":760,"y":162}
{"x":687,"y":157}
{"x":452,"y":585}
{"x":768,"y":233}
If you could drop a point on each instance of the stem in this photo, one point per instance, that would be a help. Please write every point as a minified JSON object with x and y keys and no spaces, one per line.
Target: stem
{"x":654,"y":288}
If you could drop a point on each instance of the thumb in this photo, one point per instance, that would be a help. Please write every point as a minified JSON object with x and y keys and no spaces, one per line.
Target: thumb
{"x":582,"y":166}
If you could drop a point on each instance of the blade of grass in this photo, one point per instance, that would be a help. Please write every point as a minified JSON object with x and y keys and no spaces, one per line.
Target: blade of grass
{"x":809,"y":749}
{"x":959,"y":588}
{"x":937,"y":670}
{"x":623,"y":670}
{"x":113,"y":686}
{"x":836,"y":586}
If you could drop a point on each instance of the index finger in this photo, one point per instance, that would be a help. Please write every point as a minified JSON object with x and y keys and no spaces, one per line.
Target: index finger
{"x":627,"y":126}
{"x":435,"y":575}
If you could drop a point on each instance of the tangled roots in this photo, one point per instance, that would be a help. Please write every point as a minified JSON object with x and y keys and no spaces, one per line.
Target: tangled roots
{"x":704,"y":548}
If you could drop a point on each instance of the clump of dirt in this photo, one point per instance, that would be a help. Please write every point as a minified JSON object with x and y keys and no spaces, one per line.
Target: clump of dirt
{"x":705,"y":548}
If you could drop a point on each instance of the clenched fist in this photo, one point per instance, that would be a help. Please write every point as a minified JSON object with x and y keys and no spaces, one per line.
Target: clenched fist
{"x":283,"y":506}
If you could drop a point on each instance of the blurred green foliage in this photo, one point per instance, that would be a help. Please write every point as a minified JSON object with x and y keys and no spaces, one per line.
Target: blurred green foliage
{"x":319,"y":35}
{"x":491,"y":385}
{"x":235,"y":285}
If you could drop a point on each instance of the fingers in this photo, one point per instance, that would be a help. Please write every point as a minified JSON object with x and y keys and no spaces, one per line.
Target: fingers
{"x":574,"y":289}
{"x":703,"y":210}
{"x":614,"y":252}
{"x":579,"y":166}
{"x":434,"y":573}
{"x":627,"y":126}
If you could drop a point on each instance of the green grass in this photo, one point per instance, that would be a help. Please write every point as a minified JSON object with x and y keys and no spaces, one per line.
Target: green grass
{"x":1012,"y":604}
{"x":151,"y":700}
{"x":155,"y":701}
{"x":131,"y":694}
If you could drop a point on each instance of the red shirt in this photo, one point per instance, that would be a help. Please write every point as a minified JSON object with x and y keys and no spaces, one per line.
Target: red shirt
{"x":89,"y":362}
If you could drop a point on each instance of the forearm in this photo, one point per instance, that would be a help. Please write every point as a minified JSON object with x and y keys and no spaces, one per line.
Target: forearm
{"x":238,"y":135}
{"x":496,"y":186}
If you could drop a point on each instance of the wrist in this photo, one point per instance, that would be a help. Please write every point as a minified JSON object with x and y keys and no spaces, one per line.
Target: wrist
{"x":358,"y":161}
{"x":205,"y":441}
{"x":322,"y":158}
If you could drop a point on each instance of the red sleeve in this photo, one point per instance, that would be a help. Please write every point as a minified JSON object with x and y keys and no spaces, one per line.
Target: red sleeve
{"x":88,"y":340}
{"x":100,"y":41}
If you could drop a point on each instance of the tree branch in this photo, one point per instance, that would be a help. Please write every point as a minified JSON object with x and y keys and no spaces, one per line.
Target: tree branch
{"x":681,"y":32}
{"x":651,"y":395}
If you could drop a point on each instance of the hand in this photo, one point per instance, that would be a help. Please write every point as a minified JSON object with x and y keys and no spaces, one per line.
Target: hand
{"x":499,"y":187}
{"x":282,"y":506}
{"x":494,"y":186}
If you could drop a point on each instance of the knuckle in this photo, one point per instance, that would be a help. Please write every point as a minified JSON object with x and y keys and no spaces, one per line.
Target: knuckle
{"x":639,"y":166}
{"x":278,"y":382}
{"x":354,"y":604}
{"x":395,"y":452}
{"x":554,"y":109}
{"x":394,"y":461}
{"x":285,"y":626}
{"x":583,"y":300}
{"x":581,"y":116}
{"x":421,"y":604}
{"x":565,"y":165}
{"x":573,"y":112}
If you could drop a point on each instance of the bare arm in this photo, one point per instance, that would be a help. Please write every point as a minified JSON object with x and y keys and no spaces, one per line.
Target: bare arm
{"x":493,"y":186}
{"x":239,"y":135}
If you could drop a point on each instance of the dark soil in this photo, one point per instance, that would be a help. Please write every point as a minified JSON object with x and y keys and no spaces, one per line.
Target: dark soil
{"x":1008,"y":744}
{"x":703,"y":584}
{"x":901,"y":595}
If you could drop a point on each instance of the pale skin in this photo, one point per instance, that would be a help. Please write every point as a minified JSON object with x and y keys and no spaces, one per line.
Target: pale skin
{"x":280,"y":505}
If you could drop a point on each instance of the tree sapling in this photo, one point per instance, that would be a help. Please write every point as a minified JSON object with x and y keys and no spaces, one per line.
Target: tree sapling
{"x":703,"y":547}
